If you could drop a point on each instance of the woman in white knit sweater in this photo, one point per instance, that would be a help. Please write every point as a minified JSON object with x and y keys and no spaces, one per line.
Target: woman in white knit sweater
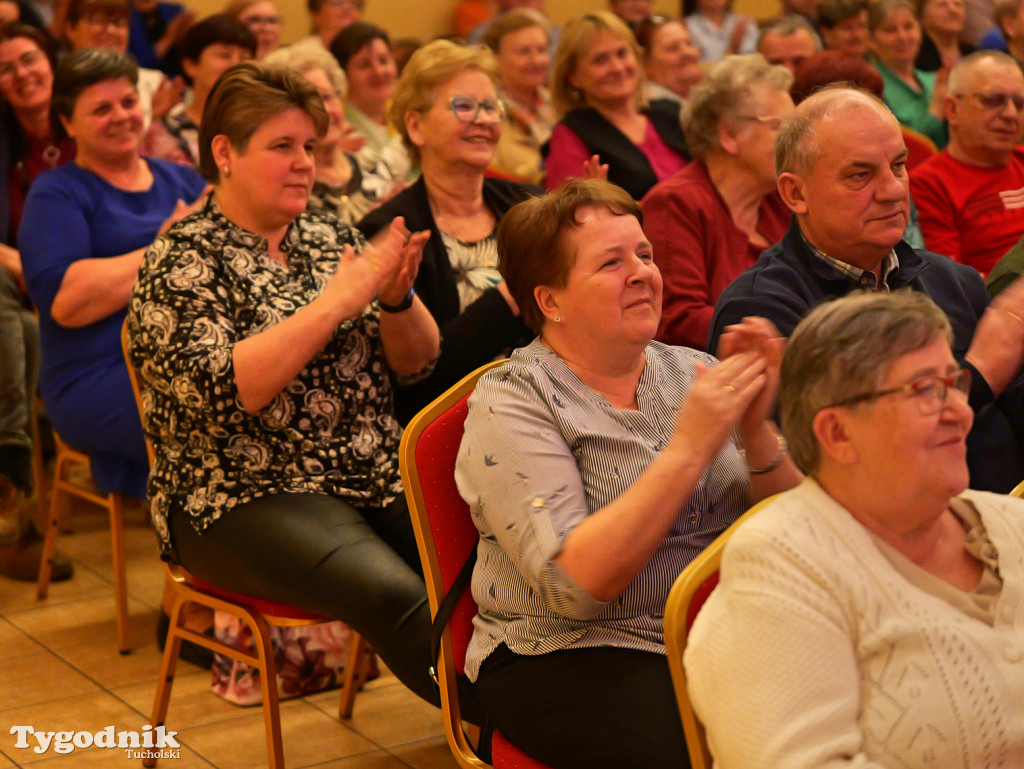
{"x":874,"y":616}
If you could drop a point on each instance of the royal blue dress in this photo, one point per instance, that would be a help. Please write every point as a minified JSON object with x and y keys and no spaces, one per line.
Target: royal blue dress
{"x":73,"y":214}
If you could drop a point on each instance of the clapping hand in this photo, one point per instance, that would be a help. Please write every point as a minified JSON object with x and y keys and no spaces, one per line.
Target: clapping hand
{"x":761,"y":337}
{"x":409,"y":247}
{"x":594,"y":168}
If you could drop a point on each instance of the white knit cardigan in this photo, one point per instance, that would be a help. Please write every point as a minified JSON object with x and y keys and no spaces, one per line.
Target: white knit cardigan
{"x":815,"y":652}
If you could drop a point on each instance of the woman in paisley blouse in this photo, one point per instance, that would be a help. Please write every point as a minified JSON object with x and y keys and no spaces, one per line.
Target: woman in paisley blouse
{"x":597,"y":464}
{"x":266,"y":346}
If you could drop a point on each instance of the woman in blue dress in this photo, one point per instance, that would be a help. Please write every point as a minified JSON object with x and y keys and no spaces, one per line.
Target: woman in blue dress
{"x":85,"y":228}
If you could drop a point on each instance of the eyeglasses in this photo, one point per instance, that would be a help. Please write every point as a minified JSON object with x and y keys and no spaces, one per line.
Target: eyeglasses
{"x":102,"y":20}
{"x":774,"y":123}
{"x":262,"y":21}
{"x":996,"y":101}
{"x":27,"y":60}
{"x":356,"y":5}
{"x":929,"y":391}
{"x":467,"y":109}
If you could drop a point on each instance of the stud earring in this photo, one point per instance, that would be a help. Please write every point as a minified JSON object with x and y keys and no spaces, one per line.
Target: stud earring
{"x":227,"y":172}
{"x":558,"y":319}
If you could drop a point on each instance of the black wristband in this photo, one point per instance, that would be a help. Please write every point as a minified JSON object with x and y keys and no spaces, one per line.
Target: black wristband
{"x":404,"y":305}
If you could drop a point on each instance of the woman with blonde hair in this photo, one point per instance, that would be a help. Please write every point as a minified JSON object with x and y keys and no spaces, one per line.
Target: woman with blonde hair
{"x":447,"y":110}
{"x":712,"y":220}
{"x":598,"y":88}
{"x":348,"y":184}
{"x":520,"y":41}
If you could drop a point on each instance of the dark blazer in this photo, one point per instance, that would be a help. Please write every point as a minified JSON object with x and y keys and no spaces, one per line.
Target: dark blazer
{"x":789,"y":280}
{"x":468,"y":339}
{"x":628,"y":166}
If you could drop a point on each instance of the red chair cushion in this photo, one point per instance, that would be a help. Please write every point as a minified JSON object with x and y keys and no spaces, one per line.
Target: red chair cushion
{"x":505,"y":755}
{"x":700,"y":595}
{"x":268,"y":608}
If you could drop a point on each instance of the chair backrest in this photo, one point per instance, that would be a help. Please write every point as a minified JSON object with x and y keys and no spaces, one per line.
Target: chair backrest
{"x":133,"y":375}
{"x":919,"y":147}
{"x":691,"y":589}
{"x":1018,"y":490}
{"x":445,"y":533}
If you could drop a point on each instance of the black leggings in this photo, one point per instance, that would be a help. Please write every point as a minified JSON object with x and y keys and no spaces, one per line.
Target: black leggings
{"x":586,"y":708}
{"x":320,"y":554}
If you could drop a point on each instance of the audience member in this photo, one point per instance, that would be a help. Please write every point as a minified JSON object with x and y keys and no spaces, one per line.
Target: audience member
{"x":942,"y":22}
{"x":867,"y":618}
{"x":806,"y":10}
{"x":364,"y":51}
{"x":1009,"y":15}
{"x":671,"y":60}
{"x":519,"y":40}
{"x":469,"y":14}
{"x":969,"y":194}
{"x":30,"y":143}
{"x":253,"y":297}
{"x":712,"y":220}
{"x":329,"y":17}
{"x":633,"y":12}
{"x":717,"y":31}
{"x":840,"y":160}
{"x":607,"y":125}
{"x":155,"y":31}
{"x":210,"y":47}
{"x":479,"y":35}
{"x":597,"y":464}
{"x":348,"y":184}
{"x":85,"y":228}
{"x":10,"y":12}
{"x":843,"y":25}
{"x":788,"y":42}
{"x":915,"y":97}
{"x":448,"y":113}
{"x":263,"y":19}
{"x":104,"y":24}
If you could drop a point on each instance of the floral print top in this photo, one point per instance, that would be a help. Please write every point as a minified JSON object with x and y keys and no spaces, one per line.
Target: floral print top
{"x":208,"y":284}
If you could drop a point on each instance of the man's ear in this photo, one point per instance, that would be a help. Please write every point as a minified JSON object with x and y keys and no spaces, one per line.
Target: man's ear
{"x":793,"y":191}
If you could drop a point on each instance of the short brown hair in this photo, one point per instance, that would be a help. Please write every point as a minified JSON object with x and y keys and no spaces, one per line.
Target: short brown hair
{"x":77,"y":9}
{"x":429,"y":68}
{"x":81,"y":69}
{"x":844,"y":348}
{"x":577,"y":38}
{"x":533,"y":246}
{"x":246,"y":96}
{"x":879,"y":10}
{"x":513,"y":21}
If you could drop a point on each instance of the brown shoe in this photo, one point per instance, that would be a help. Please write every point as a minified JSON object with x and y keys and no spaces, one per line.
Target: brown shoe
{"x":21,"y":560}
{"x":10,"y":511}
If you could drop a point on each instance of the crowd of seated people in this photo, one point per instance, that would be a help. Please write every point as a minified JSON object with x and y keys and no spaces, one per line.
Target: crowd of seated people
{"x":369,"y":236}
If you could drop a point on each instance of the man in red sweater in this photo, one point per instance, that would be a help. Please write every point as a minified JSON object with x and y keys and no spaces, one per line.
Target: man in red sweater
{"x":970,"y":196}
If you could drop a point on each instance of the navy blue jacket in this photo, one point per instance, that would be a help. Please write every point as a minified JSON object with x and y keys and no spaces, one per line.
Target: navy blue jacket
{"x":789,"y":280}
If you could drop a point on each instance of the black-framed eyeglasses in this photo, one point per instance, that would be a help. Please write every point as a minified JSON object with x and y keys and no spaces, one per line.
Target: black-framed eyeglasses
{"x":996,"y":101}
{"x":929,"y":392}
{"x":467,"y":109}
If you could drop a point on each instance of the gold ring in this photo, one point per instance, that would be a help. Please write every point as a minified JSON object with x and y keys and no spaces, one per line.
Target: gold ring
{"x":730,"y":388}
{"x":1014,"y":315}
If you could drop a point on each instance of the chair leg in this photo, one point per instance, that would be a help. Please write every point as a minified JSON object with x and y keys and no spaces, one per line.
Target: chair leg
{"x":355,"y":673}
{"x":39,"y":469}
{"x":52,"y":528}
{"x":117,"y":555}
{"x":268,"y":682}
{"x":166,"y":681}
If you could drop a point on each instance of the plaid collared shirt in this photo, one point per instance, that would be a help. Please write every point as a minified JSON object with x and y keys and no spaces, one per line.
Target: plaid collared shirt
{"x":863,"y":278}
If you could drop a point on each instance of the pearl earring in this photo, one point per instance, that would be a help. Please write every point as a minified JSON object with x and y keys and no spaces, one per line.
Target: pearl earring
{"x":558,"y":319}
{"x":227,"y":172}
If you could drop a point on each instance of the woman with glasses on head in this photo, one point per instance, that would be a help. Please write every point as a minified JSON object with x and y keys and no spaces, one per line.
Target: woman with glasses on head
{"x":873,"y":616}
{"x":448,"y":112}
{"x":263,"y":19}
{"x":712,"y":220}
{"x":608,"y":128}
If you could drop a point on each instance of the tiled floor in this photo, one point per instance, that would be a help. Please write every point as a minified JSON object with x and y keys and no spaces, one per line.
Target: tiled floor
{"x":60,"y":671}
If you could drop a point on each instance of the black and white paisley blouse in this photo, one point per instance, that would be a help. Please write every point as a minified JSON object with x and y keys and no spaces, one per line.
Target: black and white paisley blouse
{"x":208,"y":284}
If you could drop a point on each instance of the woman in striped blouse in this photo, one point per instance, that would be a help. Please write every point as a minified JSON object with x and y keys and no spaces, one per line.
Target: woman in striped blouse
{"x":597,"y":464}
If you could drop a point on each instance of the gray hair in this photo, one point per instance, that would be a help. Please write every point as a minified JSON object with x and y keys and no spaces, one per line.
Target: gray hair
{"x":961,"y":72}
{"x":786,"y":26}
{"x":796,"y":146}
{"x":303,"y":59}
{"x":844,"y":348}
{"x":729,"y":87}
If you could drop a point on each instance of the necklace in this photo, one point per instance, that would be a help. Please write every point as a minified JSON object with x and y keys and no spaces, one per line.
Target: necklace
{"x":51,"y":155}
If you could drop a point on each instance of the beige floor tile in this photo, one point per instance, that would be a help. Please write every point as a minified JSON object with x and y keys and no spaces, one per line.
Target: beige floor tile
{"x":88,"y":621}
{"x":388,"y":715}
{"x":15,"y":642}
{"x":310,"y":737}
{"x":36,"y":678}
{"x":376,"y":760}
{"x":5,"y":762}
{"x":426,"y":754}
{"x":192,"y":703}
{"x":87,"y":712}
{"x":17,"y":596}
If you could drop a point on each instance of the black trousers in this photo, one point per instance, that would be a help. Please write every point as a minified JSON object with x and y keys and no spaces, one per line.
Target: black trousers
{"x":320,"y":554}
{"x":586,"y":708}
